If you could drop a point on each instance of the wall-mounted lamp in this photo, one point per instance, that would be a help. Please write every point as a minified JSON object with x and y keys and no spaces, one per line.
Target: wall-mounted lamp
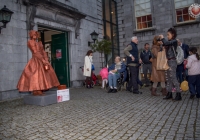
{"x":94,"y":37}
{"x":5,"y":16}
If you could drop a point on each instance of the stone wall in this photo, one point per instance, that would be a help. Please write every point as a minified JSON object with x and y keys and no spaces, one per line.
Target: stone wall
{"x":163,"y":18}
{"x":79,"y":46}
{"x":13,"y":49}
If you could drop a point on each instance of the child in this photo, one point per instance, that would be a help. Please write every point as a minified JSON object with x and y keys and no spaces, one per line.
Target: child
{"x":193,"y":65}
{"x":104,"y":76}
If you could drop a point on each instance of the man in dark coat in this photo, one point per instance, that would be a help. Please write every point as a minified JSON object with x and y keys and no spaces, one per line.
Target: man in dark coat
{"x":180,"y":68}
{"x":133,"y":61}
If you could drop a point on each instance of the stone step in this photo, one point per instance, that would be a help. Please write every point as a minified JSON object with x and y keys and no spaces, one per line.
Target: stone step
{"x":49,"y":98}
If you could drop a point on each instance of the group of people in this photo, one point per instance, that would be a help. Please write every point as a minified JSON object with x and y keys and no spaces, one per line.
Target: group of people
{"x":169,"y":79}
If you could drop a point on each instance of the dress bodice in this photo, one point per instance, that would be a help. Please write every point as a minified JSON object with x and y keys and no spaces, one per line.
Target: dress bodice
{"x":35,"y":46}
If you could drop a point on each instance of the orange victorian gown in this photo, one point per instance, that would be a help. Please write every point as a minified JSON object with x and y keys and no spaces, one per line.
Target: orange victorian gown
{"x":34,"y":76}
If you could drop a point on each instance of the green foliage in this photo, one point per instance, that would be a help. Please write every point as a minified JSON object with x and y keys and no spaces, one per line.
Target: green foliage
{"x":103,"y":46}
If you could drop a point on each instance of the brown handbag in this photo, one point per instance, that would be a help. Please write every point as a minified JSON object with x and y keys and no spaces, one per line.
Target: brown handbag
{"x":162,"y":61}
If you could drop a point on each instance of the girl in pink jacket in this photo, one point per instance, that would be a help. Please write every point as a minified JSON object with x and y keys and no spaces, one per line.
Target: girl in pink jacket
{"x":104,"y":75}
{"x":193,"y":65}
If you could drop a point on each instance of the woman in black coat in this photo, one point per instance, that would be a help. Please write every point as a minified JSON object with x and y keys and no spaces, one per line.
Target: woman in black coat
{"x":170,"y":47}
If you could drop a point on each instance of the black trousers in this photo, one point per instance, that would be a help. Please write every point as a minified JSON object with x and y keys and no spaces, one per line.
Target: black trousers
{"x":133,"y":70}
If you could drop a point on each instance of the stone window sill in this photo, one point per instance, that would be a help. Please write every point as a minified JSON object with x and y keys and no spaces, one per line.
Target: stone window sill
{"x":187,"y":23}
{"x":144,"y":30}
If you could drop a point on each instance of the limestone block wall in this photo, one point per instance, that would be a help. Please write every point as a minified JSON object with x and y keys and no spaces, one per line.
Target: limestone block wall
{"x":79,"y":46}
{"x":13,"y":49}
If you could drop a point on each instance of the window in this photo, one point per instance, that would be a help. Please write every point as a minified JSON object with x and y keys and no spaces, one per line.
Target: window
{"x":143,"y":14}
{"x":111,"y":27}
{"x":107,"y":10}
{"x":181,"y":7}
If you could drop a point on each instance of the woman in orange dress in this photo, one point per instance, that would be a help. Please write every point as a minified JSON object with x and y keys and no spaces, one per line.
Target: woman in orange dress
{"x":38,"y":74}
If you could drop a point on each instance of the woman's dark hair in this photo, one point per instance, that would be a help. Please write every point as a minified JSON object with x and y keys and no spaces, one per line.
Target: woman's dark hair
{"x":173,"y":32}
{"x":89,"y":52}
{"x":194,"y":51}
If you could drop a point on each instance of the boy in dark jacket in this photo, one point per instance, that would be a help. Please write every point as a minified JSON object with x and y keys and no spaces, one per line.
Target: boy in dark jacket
{"x":147,"y":66}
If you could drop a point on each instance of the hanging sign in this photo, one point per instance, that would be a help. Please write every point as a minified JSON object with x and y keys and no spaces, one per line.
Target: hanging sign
{"x":58,"y":54}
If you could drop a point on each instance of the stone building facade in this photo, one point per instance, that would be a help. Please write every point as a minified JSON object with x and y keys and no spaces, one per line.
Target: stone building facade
{"x":77,"y":18}
{"x":163,"y":13}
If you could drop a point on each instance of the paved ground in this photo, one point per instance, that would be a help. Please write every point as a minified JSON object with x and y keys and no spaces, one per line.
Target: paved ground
{"x":96,"y":115}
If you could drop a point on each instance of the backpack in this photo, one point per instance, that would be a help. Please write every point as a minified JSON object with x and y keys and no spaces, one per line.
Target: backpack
{"x":179,"y":55}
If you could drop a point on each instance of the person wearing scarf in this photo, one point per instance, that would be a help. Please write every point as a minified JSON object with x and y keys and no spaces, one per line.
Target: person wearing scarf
{"x":114,"y":74}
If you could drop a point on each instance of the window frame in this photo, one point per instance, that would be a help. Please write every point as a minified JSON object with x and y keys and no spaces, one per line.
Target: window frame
{"x":188,"y":21}
{"x":135,"y":17}
{"x":175,"y":16}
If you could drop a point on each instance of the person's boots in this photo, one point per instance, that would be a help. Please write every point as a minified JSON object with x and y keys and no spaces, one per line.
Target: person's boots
{"x":35,"y":93}
{"x":169,"y":96}
{"x":164,"y":91}
{"x":153,"y":92}
{"x":40,"y":93}
{"x":178,"y":96}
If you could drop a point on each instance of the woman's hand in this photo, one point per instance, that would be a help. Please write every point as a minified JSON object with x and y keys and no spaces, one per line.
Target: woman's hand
{"x":40,"y":44}
{"x":87,"y":69}
{"x":161,"y":36}
{"x":45,"y":62}
{"x":160,"y":42}
{"x":185,"y":62}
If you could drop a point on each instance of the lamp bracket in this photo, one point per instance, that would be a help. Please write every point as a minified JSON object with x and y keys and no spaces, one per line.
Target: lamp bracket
{"x":89,"y":43}
{"x":3,"y":26}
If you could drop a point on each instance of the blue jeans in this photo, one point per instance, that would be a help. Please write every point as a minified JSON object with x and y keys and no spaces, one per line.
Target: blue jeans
{"x":112,"y":79}
{"x":194,"y":85}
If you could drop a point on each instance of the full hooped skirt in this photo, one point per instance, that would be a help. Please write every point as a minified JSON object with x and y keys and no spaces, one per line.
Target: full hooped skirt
{"x":35,"y":77}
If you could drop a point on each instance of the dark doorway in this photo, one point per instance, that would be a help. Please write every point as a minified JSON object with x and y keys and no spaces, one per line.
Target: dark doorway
{"x":56,"y":46}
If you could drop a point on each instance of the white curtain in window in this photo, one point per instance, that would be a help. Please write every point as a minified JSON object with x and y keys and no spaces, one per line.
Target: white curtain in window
{"x":183,"y":3}
{"x":142,"y":7}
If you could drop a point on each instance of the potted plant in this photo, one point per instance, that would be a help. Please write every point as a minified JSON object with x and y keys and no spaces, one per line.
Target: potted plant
{"x":103,"y":47}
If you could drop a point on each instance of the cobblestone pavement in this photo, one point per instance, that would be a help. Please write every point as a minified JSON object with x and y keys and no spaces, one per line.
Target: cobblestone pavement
{"x":96,"y":115}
